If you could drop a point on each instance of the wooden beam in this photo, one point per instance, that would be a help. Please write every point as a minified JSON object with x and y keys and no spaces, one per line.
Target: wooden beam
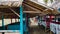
{"x":14,"y":12}
{"x":35,"y":5}
{"x":31,"y":12}
{"x":31,"y":7}
{"x":6,"y":6}
{"x":42,"y":5}
{"x":43,"y":11}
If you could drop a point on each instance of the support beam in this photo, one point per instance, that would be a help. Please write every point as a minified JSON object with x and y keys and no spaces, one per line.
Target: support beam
{"x":25,"y":27}
{"x":11,"y":19}
{"x":32,"y":7}
{"x":31,"y":12}
{"x":3,"y":20}
{"x":18,"y":19}
{"x":27,"y":23}
{"x":14,"y":12}
{"x":15,"y":19}
{"x":45,"y":10}
{"x":21,"y":20}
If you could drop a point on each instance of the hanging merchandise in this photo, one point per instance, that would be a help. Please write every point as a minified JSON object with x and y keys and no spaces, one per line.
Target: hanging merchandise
{"x":49,"y":20}
{"x":43,"y":21}
{"x":3,"y":21}
{"x":53,"y":27}
{"x":34,"y":21}
{"x":40,"y":20}
{"x":58,"y":29}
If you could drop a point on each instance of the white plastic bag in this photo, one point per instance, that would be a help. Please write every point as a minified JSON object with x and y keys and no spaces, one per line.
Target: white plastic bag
{"x":53,"y":27}
{"x":58,"y":29}
{"x":33,"y":22}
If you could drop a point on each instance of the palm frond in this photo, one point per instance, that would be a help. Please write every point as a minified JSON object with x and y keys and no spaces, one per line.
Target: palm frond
{"x":51,"y":1}
{"x":45,"y":1}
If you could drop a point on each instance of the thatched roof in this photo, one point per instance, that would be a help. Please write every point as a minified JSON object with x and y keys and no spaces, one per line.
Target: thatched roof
{"x":39,"y":8}
{"x":10,"y":3}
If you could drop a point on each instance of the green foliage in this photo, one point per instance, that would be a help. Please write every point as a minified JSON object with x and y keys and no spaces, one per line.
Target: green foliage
{"x":51,"y":1}
{"x":47,"y":1}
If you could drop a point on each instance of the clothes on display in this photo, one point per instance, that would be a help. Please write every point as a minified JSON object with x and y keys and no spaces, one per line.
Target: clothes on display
{"x":55,"y":28}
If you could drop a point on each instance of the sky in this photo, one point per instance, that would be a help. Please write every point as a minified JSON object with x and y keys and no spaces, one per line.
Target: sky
{"x":42,"y":1}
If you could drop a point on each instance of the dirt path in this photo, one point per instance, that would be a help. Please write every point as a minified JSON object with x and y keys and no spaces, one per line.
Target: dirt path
{"x":37,"y":30}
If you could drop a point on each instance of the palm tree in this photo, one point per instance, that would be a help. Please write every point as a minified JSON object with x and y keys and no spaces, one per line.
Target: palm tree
{"x":46,"y":1}
{"x":51,"y":1}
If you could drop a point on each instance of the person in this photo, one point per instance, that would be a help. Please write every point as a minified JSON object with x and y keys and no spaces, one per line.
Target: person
{"x":38,"y":19}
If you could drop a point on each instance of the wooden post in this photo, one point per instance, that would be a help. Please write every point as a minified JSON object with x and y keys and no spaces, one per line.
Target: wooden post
{"x":15,"y":20}
{"x":27,"y":23}
{"x":3,"y":20}
{"x":18,"y":19}
{"x":11,"y":19}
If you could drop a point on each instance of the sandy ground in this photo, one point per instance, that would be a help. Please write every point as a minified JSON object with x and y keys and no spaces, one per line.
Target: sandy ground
{"x":38,"y":30}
